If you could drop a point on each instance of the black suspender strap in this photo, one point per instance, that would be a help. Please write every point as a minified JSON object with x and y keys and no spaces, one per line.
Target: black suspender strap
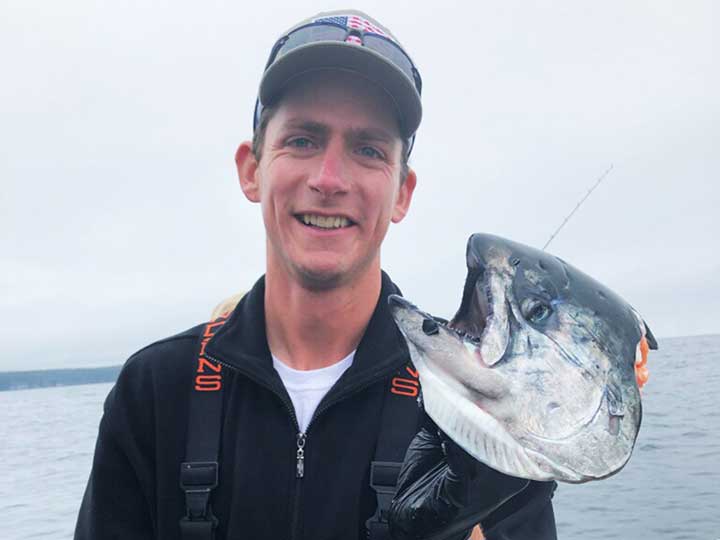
{"x":398,"y":426}
{"x":199,"y":473}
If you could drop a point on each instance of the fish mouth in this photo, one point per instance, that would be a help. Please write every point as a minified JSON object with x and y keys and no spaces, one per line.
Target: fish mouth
{"x":476,"y":307}
{"x":469,"y":323}
{"x":432,"y":323}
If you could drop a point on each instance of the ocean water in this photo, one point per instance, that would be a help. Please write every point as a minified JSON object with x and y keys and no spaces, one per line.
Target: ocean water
{"x":669,"y":489}
{"x":47,"y":438}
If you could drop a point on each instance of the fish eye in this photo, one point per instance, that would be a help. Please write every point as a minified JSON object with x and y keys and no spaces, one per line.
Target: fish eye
{"x":535,"y":310}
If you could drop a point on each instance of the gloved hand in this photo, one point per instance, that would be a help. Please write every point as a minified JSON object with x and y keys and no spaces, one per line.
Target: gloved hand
{"x":442,"y":491}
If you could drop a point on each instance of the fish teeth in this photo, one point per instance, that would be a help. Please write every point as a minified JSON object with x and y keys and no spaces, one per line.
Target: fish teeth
{"x":462,"y":334}
{"x":325,"y":222}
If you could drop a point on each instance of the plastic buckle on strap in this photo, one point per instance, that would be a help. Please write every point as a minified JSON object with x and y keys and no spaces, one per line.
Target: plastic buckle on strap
{"x":383,"y":480}
{"x":197,"y":480}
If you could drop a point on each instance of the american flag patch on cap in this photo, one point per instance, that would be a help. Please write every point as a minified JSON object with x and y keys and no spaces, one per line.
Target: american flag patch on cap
{"x":358,"y":23}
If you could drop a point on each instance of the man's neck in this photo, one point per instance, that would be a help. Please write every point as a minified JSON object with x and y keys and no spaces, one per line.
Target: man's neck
{"x":309,"y":329}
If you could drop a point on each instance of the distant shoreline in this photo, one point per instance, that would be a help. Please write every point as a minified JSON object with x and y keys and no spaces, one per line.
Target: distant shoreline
{"x":23,"y":380}
{"x":44,"y":378}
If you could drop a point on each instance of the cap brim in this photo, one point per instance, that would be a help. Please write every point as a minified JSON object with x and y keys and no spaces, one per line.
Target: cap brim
{"x":346,"y":56}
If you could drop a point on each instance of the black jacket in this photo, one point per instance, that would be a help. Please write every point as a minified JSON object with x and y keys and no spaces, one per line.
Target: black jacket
{"x":133,"y":490}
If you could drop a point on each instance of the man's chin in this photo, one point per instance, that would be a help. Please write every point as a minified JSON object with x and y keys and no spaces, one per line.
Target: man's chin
{"x":321,"y":280}
{"x":330,"y":274}
{"x":327,"y":273}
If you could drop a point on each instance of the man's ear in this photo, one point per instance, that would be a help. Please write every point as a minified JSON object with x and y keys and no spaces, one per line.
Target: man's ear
{"x":247,"y":167}
{"x":405,"y":193}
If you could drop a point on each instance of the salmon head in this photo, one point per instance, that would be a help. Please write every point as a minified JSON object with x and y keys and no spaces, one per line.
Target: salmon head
{"x":538,"y":373}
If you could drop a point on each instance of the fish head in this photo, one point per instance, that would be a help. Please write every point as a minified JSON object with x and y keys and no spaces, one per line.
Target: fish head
{"x":535,"y":374}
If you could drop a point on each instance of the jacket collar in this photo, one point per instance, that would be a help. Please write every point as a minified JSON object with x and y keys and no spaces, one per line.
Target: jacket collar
{"x":241,"y":343}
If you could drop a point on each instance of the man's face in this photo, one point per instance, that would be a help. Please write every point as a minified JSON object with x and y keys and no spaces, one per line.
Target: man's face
{"x":329,"y":179}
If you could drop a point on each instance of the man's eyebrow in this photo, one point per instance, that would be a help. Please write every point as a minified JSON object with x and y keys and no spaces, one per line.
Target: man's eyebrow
{"x":372,"y":134}
{"x":359,"y":134}
{"x":310,"y":126}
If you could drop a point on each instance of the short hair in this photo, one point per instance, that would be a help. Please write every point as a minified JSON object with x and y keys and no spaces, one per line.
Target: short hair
{"x":267,"y":113}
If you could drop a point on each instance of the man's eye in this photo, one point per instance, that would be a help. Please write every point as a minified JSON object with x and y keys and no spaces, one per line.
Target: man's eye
{"x":300,"y":142}
{"x":369,"y":151}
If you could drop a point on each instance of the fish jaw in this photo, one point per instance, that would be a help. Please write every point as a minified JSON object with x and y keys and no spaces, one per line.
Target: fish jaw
{"x":446,"y":352}
{"x":482,"y":435}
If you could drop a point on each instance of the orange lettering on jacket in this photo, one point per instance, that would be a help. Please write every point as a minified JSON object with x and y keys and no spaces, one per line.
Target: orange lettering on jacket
{"x":413,"y":372}
{"x":404,"y":386}
{"x":205,"y":363}
{"x":208,"y":383}
{"x":212,"y":382}
{"x":211,"y":326}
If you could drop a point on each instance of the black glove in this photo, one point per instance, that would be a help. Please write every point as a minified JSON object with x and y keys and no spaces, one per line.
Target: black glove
{"x":442,"y":491}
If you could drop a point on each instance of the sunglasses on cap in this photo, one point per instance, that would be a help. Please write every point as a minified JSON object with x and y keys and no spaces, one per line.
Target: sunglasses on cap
{"x":328,"y":30}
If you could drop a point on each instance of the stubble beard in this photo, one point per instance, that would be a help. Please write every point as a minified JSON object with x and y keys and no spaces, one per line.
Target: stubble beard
{"x":319,"y":281}
{"x":327,"y":280}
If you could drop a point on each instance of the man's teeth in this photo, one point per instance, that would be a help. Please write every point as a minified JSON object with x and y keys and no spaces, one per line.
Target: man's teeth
{"x":330,"y":222}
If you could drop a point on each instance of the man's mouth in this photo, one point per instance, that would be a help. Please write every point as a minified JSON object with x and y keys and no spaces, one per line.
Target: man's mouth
{"x":324,"y":222}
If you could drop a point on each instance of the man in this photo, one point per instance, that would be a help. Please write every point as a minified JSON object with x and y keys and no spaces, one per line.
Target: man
{"x":308,"y":362}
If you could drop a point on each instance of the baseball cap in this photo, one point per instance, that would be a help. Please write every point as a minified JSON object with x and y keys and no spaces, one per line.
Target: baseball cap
{"x":348,"y":40}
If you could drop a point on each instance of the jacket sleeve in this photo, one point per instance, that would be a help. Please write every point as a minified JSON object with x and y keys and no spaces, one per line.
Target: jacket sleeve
{"x":119,"y":498}
{"x":443,"y":492}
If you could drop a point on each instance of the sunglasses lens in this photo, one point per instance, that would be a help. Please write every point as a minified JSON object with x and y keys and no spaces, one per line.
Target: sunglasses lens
{"x":310,"y":34}
{"x":390,"y":51}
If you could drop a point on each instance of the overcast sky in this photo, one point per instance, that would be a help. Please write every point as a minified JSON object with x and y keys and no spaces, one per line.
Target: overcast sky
{"x":122,"y":221}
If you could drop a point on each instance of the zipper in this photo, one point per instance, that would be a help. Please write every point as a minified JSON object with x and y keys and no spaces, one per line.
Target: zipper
{"x":299,"y":474}
{"x":301,"y":437}
{"x":369,"y":381}
{"x":300,"y":450}
{"x":300,"y":441}
{"x":288,"y":404}
{"x":300,"y":456}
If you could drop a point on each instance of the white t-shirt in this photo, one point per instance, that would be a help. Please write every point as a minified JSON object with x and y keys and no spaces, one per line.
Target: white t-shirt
{"x":307,"y":388}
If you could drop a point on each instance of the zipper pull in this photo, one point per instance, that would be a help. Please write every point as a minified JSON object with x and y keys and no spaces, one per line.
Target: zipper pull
{"x":300,"y":465}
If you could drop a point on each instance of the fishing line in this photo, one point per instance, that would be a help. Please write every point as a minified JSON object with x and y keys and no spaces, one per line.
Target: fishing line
{"x":596,"y":184}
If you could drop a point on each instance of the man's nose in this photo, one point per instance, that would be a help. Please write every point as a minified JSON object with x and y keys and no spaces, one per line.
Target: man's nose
{"x":329,"y":178}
